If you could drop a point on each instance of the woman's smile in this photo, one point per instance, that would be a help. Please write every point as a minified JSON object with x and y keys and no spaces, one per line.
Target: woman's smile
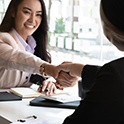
{"x":29,"y":26}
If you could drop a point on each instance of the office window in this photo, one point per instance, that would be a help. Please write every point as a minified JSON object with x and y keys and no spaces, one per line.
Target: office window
{"x":75,"y":32}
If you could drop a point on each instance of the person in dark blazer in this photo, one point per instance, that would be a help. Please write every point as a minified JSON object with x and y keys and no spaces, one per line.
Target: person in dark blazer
{"x":104,"y":102}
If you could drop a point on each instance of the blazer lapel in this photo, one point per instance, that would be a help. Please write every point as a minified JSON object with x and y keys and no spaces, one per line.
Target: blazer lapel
{"x":12,"y":33}
{"x":21,"y":47}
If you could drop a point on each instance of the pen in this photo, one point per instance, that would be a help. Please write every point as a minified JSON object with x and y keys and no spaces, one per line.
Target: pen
{"x":56,"y":84}
{"x":30,"y":117}
{"x":46,"y":90}
{"x":21,"y":120}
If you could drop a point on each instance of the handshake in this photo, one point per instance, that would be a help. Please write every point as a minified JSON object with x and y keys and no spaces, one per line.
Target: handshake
{"x":66,"y":74}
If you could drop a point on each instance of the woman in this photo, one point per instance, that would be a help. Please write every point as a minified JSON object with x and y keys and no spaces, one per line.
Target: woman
{"x":23,"y":32}
{"x":104,"y":103}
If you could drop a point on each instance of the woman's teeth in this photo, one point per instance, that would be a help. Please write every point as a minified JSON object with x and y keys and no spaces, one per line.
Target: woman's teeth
{"x":30,"y":26}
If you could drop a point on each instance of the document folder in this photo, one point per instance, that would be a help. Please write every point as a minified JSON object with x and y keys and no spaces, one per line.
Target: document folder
{"x":39,"y":101}
{"x":5,"y":96}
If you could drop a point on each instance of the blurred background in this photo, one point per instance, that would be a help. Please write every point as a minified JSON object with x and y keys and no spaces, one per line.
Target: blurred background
{"x":75,"y":32}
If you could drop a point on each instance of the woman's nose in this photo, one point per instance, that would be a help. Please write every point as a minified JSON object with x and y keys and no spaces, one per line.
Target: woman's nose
{"x":32,"y":18}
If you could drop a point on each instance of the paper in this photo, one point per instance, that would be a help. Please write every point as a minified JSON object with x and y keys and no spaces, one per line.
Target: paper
{"x":68,"y":26}
{"x":76,"y":27}
{"x":63,"y":98}
{"x":25,"y":92}
{"x":61,"y":42}
{"x":77,"y":44}
{"x":53,"y":40}
{"x":76,"y":11}
{"x":68,"y":43}
{"x":52,"y":26}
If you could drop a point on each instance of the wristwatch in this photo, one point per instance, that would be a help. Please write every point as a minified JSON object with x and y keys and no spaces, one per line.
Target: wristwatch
{"x":42,"y":70}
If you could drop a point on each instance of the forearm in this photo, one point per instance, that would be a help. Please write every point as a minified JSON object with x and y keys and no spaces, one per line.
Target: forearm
{"x":76,"y":69}
{"x":13,"y":59}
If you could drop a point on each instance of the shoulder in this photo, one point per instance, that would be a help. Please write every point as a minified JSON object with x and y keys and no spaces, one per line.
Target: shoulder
{"x":113,"y":66}
{"x":6,"y":37}
{"x":117,"y":64}
{"x":112,"y":72}
{"x":118,"y":61}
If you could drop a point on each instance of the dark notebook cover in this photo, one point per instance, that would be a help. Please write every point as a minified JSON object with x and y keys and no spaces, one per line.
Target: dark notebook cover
{"x":6,"y":96}
{"x":49,"y":103}
{"x":4,"y":121}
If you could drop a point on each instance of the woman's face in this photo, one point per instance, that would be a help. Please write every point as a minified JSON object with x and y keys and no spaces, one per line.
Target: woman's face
{"x":28,"y":17}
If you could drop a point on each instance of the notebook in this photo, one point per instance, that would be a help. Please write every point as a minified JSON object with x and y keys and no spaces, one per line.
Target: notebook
{"x":39,"y":101}
{"x":6,"y":96}
{"x":29,"y":92}
{"x":60,"y":96}
{"x":25,"y":92}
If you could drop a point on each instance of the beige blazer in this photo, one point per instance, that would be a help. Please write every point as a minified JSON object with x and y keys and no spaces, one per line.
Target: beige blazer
{"x":15,"y":62}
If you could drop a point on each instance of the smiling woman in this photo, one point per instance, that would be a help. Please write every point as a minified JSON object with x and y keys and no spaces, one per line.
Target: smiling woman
{"x":23,"y":47}
{"x":23,"y":32}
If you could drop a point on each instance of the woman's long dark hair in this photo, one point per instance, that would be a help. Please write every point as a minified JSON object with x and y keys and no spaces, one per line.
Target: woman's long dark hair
{"x":40,"y":35}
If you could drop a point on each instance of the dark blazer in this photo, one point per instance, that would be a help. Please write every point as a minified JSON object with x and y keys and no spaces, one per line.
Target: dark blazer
{"x":104,"y":103}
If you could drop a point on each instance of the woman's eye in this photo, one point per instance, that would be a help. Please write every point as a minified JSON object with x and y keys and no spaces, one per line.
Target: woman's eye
{"x":40,"y":15}
{"x":26,"y":12}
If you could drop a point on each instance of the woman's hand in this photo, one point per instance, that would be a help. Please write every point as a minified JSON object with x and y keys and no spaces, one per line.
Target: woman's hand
{"x":65,"y":80}
{"x":73,"y":69}
{"x":48,"y":87}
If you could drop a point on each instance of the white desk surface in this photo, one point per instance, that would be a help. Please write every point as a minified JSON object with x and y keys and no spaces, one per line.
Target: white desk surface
{"x":14,"y":110}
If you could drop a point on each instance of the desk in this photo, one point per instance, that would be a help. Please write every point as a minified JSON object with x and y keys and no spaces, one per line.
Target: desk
{"x":14,"y":110}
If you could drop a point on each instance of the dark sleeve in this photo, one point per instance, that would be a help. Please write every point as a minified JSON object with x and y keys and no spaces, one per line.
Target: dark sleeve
{"x":89,"y":75}
{"x":36,"y":79}
{"x":103,"y":104}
